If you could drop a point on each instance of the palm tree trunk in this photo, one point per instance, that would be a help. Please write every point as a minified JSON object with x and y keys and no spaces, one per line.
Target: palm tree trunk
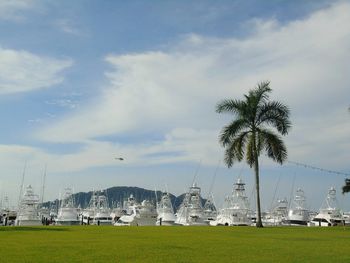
{"x":257,"y":185}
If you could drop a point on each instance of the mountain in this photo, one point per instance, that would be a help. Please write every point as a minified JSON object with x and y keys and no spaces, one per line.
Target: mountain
{"x":118,"y":194}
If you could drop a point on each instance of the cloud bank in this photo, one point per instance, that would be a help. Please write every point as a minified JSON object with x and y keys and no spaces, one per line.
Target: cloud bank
{"x":176,"y":89}
{"x":22,"y":71}
{"x":13,"y":9}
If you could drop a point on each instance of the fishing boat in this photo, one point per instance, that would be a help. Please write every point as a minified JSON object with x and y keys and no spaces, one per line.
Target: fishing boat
{"x":298,"y":214}
{"x":28,"y":214}
{"x":235,"y":209}
{"x":128,"y":212}
{"x":102,"y":215}
{"x":278,"y":215}
{"x":67,"y":213}
{"x":330,"y":214}
{"x":117,"y":212}
{"x":7,"y":215}
{"x":97,"y":212}
{"x":135,"y":214}
{"x":165,"y":211}
{"x":209,"y":210}
{"x":191,"y":211}
{"x":89,"y":212}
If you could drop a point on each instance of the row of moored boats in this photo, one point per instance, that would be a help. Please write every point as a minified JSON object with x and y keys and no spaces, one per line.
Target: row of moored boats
{"x":235,"y":211}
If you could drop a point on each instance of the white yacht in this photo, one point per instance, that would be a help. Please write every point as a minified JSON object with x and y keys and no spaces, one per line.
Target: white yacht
{"x":329,"y":214}
{"x":165,"y":211}
{"x":7,"y":215}
{"x":144,"y":214}
{"x":28,"y":214}
{"x":67,"y":213}
{"x":209,"y":210}
{"x":44,"y":214}
{"x":298,"y":214}
{"x":89,"y":212}
{"x":346,"y":217}
{"x":235,"y":209}
{"x":278,"y":215}
{"x":102,"y":214}
{"x":116,"y":213}
{"x":97,"y":212}
{"x":128,"y":212}
{"x":191,"y":211}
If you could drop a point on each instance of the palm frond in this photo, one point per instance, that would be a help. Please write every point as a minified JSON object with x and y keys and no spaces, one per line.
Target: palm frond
{"x":230,"y":105}
{"x":262,"y":91}
{"x":346,"y":187}
{"x":235,"y":150}
{"x":274,"y":145}
{"x":230,"y":131}
{"x":275,"y":114}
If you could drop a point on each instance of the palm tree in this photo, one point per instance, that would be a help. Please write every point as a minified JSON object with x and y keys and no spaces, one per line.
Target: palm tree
{"x":346,"y":187}
{"x":247,"y":135}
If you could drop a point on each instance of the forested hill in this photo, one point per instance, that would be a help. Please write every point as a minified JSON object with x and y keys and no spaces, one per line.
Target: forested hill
{"x":118,"y":194}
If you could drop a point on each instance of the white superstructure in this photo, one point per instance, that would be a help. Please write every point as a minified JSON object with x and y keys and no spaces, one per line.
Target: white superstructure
{"x":28,"y":214}
{"x":7,"y":215}
{"x":67,"y":213}
{"x":209,"y":210}
{"x":330,"y":213}
{"x":97,"y":212}
{"x":298,"y":214}
{"x":235,"y":209}
{"x":191,"y":211}
{"x":278,"y":215}
{"x":102,"y":214}
{"x":165,"y":211}
{"x":135,"y":214}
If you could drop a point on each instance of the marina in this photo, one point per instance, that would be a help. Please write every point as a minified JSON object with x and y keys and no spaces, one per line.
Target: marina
{"x":193,"y":210}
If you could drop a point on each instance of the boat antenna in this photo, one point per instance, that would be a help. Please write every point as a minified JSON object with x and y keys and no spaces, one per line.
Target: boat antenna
{"x":107,"y":199}
{"x":43,"y":187}
{"x":214,"y":177}
{"x":155,"y":192}
{"x":240,"y":171}
{"x":197,"y":170}
{"x":60,"y":199}
{"x":292,"y":190}
{"x":22,"y":182}
{"x":274,"y":194}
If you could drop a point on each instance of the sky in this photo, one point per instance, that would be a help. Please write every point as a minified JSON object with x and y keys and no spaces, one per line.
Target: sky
{"x":84,"y":82}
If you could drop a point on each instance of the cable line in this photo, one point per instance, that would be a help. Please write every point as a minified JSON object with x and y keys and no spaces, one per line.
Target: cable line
{"x":318,"y":168}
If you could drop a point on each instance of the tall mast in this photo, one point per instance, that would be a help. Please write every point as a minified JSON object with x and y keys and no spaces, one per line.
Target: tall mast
{"x":22,"y":182}
{"x":213,"y":180}
{"x":43,"y":187}
{"x":195,"y":175}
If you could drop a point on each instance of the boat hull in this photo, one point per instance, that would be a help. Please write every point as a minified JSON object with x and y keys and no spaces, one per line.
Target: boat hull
{"x":67,"y":222}
{"x":29,"y":223}
{"x":296,"y":222}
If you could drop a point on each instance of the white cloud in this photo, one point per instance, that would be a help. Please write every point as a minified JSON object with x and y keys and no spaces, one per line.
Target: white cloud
{"x":13,"y":9}
{"x":176,"y":90}
{"x":22,"y":71}
{"x":65,"y":103}
{"x":179,"y":145}
{"x":69,"y":27}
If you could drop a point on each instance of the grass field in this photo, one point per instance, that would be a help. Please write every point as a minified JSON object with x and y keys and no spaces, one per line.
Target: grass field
{"x":174,"y":244}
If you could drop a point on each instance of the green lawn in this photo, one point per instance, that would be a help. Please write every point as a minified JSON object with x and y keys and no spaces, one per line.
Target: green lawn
{"x":174,"y":244}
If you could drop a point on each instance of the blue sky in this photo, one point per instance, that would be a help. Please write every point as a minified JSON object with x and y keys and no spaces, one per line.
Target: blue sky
{"x":84,"y":81}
